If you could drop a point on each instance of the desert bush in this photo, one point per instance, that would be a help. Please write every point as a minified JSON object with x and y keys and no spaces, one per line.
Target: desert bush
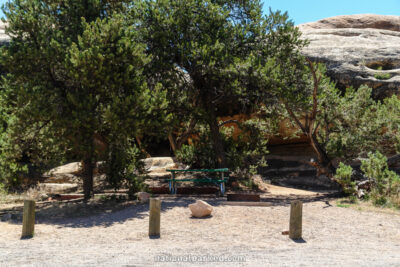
{"x":382,"y":76}
{"x":385,"y":184}
{"x":343,"y":177}
{"x":124,"y":167}
{"x":244,"y":152}
{"x":389,"y":113}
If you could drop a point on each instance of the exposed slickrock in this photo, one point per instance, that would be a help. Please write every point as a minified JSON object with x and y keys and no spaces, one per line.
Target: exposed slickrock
{"x":355,"y":48}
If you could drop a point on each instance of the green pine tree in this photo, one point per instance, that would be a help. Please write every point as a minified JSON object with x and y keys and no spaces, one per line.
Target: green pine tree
{"x":75,"y":76}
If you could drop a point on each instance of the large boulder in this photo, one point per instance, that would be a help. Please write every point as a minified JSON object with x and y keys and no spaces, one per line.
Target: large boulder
{"x":70,"y":168}
{"x":58,"y":188}
{"x":64,"y":174}
{"x":158,"y":166}
{"x":358,"y":49}
{"x":200,"y":209}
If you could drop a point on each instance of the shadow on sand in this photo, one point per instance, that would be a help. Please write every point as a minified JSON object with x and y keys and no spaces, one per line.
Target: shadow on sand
{"x":300,"y":241}
{"x":81,"y":214}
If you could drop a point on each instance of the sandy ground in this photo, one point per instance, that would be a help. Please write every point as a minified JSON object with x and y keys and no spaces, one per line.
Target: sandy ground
{"x":247,"y":236}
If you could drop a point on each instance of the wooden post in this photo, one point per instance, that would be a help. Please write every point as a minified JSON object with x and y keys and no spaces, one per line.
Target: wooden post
{"x":28,"y":220}
{"x":154,"y":218}
{"x":295,"y":224}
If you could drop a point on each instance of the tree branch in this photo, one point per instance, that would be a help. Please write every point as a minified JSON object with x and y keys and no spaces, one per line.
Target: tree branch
{"x":183,"y":137}
{"x":315,"y":91}
{"x":228,"y":121}
{"x":294,"y":117}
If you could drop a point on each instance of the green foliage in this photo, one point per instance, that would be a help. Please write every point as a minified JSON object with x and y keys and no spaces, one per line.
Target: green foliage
{"x":346,"y":124}
{"x":341,"y":205}
{"x":343,"y":177}
{"x":385,"y":183}
{"x":382,"y":76}
{"x":349,"y":124}
{"x":197,"y":156}
{"x":74,"y":72}
{"x":389,"y":114}
{"x":125,"y":167}
{"x":80,"y":71}
{"x":244,"y":152}
{"x":213,"y":50}
{"x":339,"y":124}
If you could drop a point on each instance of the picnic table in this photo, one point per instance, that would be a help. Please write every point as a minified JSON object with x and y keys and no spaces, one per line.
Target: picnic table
{"x":220,"y":181}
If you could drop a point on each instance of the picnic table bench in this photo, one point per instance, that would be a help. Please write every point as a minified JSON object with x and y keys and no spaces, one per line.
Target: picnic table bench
{"x":220,"y":181}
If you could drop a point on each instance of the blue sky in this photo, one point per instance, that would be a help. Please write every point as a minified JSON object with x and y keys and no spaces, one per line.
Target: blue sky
{"x":301,"y":11}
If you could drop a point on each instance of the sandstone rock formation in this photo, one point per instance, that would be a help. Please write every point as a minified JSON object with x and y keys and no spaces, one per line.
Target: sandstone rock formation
{"x":200,"y":209}
{"x":58,"y":188}
{"x":158,"y":166}
{"x":3,"y":37}
{"x":63,"y":174}
{"x":69,"y":168}
{"x":358,"y":49}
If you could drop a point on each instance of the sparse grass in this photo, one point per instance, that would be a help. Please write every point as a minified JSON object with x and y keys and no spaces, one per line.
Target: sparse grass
{"x":35,"y":193}
{"x":368,"y":206}
{"x":382,"y":76}
{"x":3,"y":194}
{"x":346,"y":202}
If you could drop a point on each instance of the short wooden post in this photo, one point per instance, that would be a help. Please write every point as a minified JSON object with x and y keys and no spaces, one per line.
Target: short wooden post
{"x":154,"y":218}
{"x":295,"y":224}
{"x":28,"y":220}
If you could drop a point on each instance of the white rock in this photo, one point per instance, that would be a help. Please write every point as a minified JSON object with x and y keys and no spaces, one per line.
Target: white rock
{"x":70,"y":168}
{"x":159,"y":164}
{"x":200,"y":209}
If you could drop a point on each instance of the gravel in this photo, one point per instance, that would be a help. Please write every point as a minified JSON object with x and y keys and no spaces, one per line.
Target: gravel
{"x":234,"y":235}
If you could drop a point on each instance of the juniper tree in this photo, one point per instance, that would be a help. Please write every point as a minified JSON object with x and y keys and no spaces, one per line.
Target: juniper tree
{"x":207,"y":50}
{"x":340,"y":126}
{"x":74,"y":78}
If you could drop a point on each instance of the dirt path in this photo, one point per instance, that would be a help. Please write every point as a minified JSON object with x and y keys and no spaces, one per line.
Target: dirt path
{"x":249,"y":235}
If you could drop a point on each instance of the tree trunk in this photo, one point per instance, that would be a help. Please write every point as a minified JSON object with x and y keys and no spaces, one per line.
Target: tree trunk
{"x":217,"y":140}
{"x":87,"y":174}
{"x":172,"y":142}
{"x":324,"y":165}
{"x":139,"y":142}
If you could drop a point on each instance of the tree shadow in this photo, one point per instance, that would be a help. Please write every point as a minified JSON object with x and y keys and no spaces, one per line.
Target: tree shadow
{"x":26,"y":237}
{"x":300,"y":240}
{"x":80,"y":214}
{"x":284,"y":200}
{"x":201,"y":218}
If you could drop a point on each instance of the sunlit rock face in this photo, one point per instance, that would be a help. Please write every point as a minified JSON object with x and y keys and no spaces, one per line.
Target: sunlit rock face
{"x":3,"y":37}
{"x":358,"y":49}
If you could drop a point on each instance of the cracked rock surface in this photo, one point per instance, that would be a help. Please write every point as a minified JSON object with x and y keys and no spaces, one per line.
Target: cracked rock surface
{"x":358,"y":49}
